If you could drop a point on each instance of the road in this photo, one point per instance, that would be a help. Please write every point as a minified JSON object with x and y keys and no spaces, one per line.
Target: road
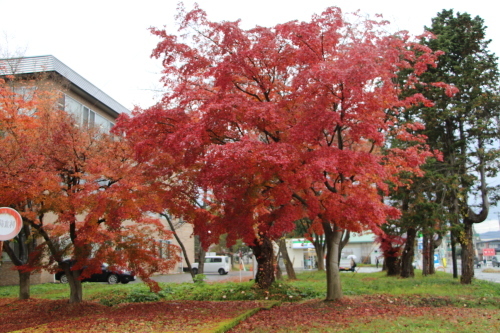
{"x":186,"y":277}
{"x":247,"y":275}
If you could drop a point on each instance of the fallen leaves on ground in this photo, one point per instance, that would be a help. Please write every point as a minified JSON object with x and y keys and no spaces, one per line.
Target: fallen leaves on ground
{"x":375,"y":313}
{"x":321,"y":316}
{"x":172,"y":316}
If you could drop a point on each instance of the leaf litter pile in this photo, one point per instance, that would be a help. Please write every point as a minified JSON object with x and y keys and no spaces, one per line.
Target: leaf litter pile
{"x":39,"y":315}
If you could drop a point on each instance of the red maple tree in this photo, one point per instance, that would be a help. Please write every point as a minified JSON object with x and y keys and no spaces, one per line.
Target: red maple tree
{"x":282,"y":123}
{"x":80,"y":192}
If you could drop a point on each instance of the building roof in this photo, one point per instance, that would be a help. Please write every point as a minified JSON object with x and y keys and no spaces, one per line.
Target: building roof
{"x":361,"y":238}
{"x":490,"y":235}
{"x":303,"y":243}
{"x":78,"y":84}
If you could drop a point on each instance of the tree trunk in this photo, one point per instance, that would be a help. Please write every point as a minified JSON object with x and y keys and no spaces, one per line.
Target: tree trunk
{"x":290,"y":272}
{"x":454,"y":255}
{"x":201,"y":261}
{"x":467,"y":239}
{"x":263,"y":252}
{"x":25,"y":248}
{"x":432,"y":247}
{"x":24,"y":285}
{"x":407,"y":270}
{"x":393,"y":265}
{"x":467,"y":254}
{"x":75,"y":285}
{"x":333,"y":235}
{"x":344,"y":239}
{"x":426,"y":251}
{"x":279,"y":273}
{"x":319,"y":247}
{"x":181,"y":244}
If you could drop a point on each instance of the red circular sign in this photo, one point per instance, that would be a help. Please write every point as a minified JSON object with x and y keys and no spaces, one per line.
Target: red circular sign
{"x":10,"y":223}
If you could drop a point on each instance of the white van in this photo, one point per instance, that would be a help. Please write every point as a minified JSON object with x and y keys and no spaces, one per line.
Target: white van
{"x":214,"y":264}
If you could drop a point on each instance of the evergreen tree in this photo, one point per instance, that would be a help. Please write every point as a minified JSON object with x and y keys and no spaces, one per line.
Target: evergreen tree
{"x":464,"y":127}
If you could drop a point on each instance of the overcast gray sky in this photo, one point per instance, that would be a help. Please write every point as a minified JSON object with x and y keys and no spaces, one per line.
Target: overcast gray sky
{"x":108,"y":42}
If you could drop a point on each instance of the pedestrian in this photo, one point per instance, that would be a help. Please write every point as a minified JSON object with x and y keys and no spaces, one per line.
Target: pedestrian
{"x":353,"y":264}
{"x":376,"y":262}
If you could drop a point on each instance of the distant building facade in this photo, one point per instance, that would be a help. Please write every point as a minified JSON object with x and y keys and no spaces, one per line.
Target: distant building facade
{"x":362,"y":247}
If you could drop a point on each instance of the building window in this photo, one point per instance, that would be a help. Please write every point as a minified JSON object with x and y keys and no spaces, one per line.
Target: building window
{"x":164,"y":249}
{"x":74,"y":108}
{"x":86,"y":116}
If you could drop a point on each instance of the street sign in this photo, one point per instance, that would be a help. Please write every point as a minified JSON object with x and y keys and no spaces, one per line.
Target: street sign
{"x":488,"y":252}
{"x":10,"y":223}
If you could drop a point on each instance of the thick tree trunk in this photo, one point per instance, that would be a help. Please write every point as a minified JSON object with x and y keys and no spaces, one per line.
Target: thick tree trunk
{"x":407,"y":270}
{"x":393,"y":265}
{"x":467,"y":254}
{"x":201,"y":261}
{"x":290,"y":272}
{"x":24,"y":285}
{"x":75,"y":285}
{"x":264,"y":254}
{"x":76,"y":292}
{"x":333,"y":236}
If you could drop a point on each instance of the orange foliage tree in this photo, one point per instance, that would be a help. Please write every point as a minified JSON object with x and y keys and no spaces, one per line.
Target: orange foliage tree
{"x":283,"y":123}
{"x":22,"y":173}
{"x":78,"y":190}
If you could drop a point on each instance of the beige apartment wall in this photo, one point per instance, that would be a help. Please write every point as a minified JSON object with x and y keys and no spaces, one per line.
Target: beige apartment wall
{"x":10,"y":277}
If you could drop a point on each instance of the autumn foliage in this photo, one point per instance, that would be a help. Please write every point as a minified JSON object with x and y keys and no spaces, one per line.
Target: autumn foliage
{"x":281,"y":123}
{"x":79,"y":190}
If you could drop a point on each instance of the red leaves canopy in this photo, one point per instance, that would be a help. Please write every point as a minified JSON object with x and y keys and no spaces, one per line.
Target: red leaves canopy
{"x":282,"y":123}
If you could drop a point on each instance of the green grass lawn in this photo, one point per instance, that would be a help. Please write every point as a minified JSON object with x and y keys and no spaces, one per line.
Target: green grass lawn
{"x":373,"y":302}
{"x":309,"y":285}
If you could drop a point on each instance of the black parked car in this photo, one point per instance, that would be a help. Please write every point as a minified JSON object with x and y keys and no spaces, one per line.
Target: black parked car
{"x":106,"y":275}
